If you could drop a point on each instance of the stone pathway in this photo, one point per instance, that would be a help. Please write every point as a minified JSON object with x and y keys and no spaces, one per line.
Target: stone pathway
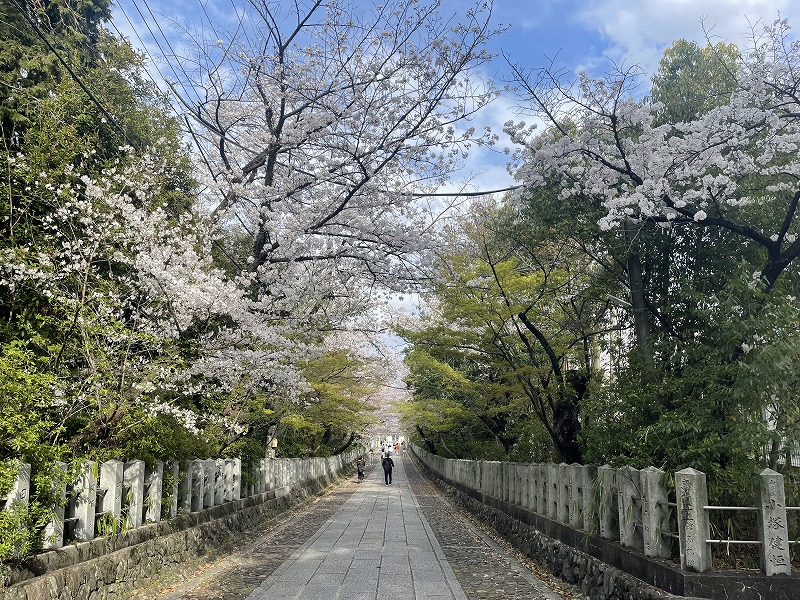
{"x":369,"y":540}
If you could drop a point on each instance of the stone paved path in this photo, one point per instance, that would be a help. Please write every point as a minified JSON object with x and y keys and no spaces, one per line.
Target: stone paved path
{"x":373,"y":541}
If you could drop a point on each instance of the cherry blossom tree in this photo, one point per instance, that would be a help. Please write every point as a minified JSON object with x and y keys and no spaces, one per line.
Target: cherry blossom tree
{"x":712,"y":186}
{"x":734,"y":167}
{"x":320,"y":125}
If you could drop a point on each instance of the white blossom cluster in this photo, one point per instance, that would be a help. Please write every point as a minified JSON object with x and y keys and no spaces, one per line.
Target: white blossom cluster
{"x":737,"y":160}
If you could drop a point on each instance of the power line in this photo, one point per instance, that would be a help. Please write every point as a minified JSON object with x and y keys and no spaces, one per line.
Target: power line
{"x":72,"y":73}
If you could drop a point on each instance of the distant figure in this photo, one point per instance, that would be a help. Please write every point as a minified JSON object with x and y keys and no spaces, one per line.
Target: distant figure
{"x":371,"y":455}
{"x":397,"y":449}
{"x":360,"y":467}
{"x":388,"y":464}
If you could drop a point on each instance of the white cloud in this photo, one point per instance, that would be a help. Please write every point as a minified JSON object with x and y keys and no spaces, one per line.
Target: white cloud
{"x":638,"y":32}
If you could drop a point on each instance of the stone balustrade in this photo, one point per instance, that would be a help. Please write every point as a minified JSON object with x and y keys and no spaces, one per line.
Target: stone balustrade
{"x":627,"y":505}
{"x":115,"y":496}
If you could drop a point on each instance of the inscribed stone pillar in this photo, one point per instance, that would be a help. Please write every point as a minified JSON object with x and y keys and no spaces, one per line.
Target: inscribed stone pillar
{"x":235,"y":465}
{"x":629,"y":504}
{"x":19,"y":495}
{"x":84,"y":501}
{"x":174,"y":494}
{"x":562,"y":513}
{"x":133,"y":481}
{"x":54,"y":530}
{"x":20,"y":488}
{"x":219,"y":481}
{"x":209,"y":466}
{"x":197,"y":487}
{"x":606,"y":511}
{"x":552,"y":491}
{"x":774,"y":535}
{"x":154,"y":484}
{"x":575,"y":496}
{"x":109,"y":494}
{"x":588,"y":475}
{"x":655,"y":514}
{"x":693,"y":524}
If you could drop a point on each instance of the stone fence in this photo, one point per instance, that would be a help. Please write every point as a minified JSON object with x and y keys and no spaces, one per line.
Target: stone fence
{"x":628,"y":509}
{"x":115,"y":496}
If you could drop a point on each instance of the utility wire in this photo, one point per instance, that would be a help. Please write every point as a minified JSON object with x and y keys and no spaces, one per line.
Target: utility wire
{"x":72,"y":73}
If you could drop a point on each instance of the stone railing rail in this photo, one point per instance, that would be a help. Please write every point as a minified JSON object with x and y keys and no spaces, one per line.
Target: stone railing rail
{"x":114,"y":495}
{"x":628,"y":505}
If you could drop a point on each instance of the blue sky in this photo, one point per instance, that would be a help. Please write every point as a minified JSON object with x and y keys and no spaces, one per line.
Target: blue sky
{"x":579,"y":35}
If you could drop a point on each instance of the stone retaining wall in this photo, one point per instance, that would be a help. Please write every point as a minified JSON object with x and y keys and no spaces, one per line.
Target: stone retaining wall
{"x":114,"y":566}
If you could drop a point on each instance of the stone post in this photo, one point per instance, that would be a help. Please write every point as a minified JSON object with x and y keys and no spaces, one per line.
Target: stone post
{"x":220,"y":475}
{"x":209,"y":481}
{"x":234,"y":468}
{"x":552,"y":491}
{"x":19,"y":494}
{"x":587,"y":476}
{"x":606,"y":513}
{"x":109,"y":495}
{"x":693,"y":524}
{"x":84,"y":501}
{"x":541,"y":489}
{"x":154,"y":483}
{"x":575,"y":496}
{"x":630,"y":507}
{"x":197,"y":486}
{"x":773,"y":532}
{"x":175,"y":471}
{"x":54,"y":530}
{"x":525,"y":486}
{"x":20,"y":489}
{"x":133,"y":480}
{"x":562,"y":512}
{"x":655,"y":514}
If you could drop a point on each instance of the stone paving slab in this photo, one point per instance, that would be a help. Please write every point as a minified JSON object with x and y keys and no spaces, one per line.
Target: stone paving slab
{"x":481,"y":568}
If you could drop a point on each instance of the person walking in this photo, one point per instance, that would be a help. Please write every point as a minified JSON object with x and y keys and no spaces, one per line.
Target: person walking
{"x":371,"y":455}
{"x":388,"y":464}
{"x":360,"y":468}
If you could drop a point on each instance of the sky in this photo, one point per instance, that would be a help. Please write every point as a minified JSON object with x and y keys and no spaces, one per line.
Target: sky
{"x":577,"y":35}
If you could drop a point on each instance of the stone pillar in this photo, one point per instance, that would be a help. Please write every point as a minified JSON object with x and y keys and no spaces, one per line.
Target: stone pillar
{"x":588,"y":476}
{"x":209,"y":481}
{"x":773,"y":533}
{"x":154,"y":484}
{"x":133,"y":480}
{"x":234,"y":466}
{"x":20,"y":489}
{"x":693,"y":524}
{"x":655,"y":514}
{"x":197,"y":487}
{"x":175,"y":472}
{"x":220,"y":474}
{"x":19,"y":495}
{"x":562,"y":513}
{"x":629,"y":504}
{"x":109,"y":496}
{"x":575,"y":496}
{"x":606,"y":513}
{"x":552,"y":491}
{"x":525,"y":486}
{"x":84,"y":501}
{"x":54,"y":530}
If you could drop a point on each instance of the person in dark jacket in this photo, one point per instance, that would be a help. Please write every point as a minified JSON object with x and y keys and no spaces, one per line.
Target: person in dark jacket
{"x":388,"y":464}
